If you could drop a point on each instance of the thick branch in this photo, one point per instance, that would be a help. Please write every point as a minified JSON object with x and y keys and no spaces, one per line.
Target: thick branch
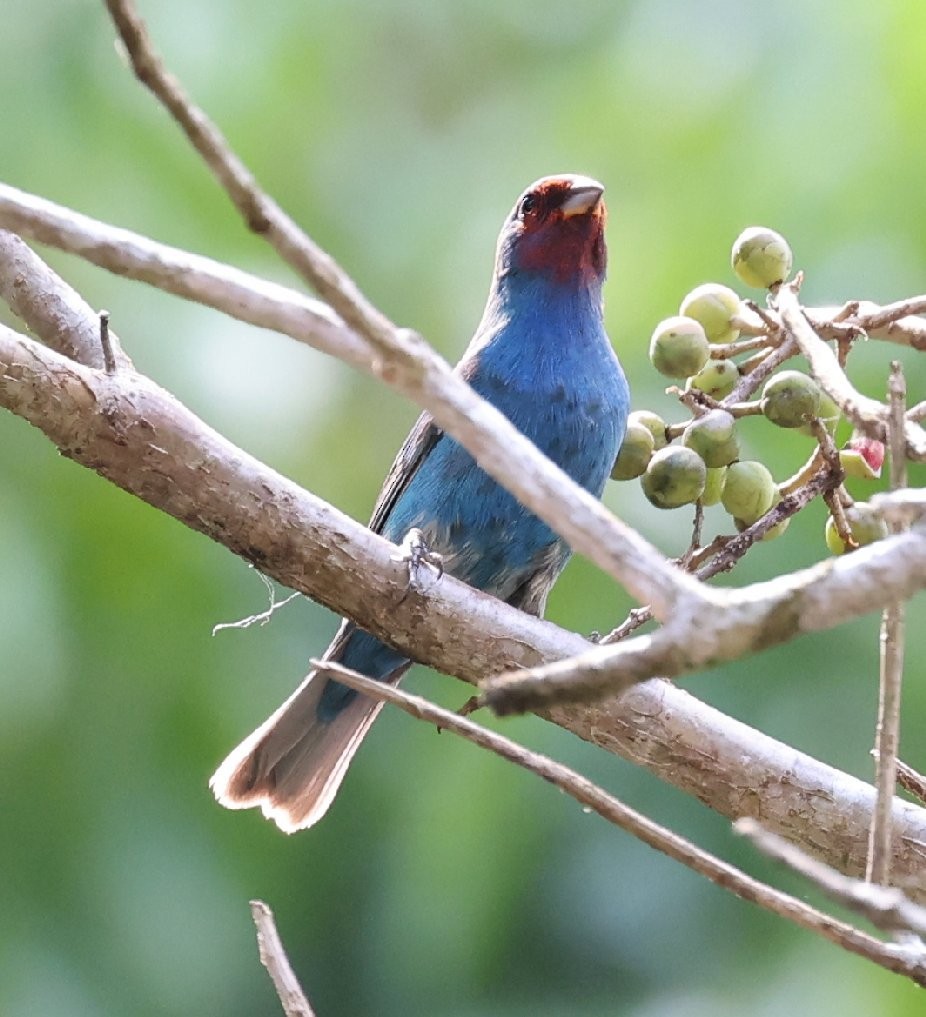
{"x":413,"y":369}
{"x":134,"y":433}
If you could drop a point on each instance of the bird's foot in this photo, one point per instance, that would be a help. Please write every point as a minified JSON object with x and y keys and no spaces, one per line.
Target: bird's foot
{"x":421,"y":561}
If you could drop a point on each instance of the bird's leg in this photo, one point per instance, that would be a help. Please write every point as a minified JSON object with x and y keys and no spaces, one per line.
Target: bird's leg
{"x":414,"y":551}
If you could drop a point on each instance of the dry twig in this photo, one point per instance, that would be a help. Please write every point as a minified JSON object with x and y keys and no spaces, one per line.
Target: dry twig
{"x":887,"y":736}
{"x":273,"y":957}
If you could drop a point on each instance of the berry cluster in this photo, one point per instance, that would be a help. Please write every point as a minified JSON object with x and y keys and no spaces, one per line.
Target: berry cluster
{"x":717,"y":369}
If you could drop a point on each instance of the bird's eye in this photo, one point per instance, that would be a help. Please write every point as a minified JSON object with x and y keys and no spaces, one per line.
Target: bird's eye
{"x":528,"y":204}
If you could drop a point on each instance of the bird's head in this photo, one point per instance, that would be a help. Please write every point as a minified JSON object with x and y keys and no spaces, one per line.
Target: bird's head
{"x":556,"y":229}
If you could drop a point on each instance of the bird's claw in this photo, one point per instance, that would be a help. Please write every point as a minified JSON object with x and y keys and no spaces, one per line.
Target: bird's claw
{"x":421,"y":561}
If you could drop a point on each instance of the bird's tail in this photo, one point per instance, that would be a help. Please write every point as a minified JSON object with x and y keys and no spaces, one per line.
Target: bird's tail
{"x":293,"y":764}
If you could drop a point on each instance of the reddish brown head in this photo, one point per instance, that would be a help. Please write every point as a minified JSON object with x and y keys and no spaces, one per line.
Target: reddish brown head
{"x":556,"y":230}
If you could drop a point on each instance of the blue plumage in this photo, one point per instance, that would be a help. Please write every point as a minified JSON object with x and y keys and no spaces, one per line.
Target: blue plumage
{"x":542,"y":357}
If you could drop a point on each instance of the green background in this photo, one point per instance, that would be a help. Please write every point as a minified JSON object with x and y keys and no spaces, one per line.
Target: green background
{"x":399,"y":134}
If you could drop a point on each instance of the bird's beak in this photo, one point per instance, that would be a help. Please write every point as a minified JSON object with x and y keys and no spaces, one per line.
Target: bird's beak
{"x":584,"y":195}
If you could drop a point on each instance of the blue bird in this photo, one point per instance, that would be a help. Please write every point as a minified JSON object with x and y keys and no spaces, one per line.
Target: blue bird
{"x":542,"y":357}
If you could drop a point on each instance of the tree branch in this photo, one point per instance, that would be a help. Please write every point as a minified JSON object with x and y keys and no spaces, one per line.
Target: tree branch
{"x":739,"y":622}
{"x":135,"y":434}
{"x":238,"y":294}
{"x":887,"y":735}
{"x":610,"y":808}
{"x":867,"y":414}
{"x":414,"y":370}
{"x":885,"y":907}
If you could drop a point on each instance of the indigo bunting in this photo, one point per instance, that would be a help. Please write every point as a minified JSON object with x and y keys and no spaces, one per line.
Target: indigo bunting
{"x":542,"y":357}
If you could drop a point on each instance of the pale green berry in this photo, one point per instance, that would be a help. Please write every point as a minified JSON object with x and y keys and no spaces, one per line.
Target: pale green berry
{"x":790,"y":399}
{"x":654,"y":423}
{"x":770,"y":534}
{"x":828,"y":413}
{"x":679,"y":347}
{"x":776,"y":531}
{"x":713,"y":305}
{"x":761,"y":257}
{"x":773,"y":531}
{"x":713,"y":437}
{"x":717,"y":378}
{"x":675,"y":476}
{"x":749,"y":491}
{"x":713,"y":486}
{"x":865,"y":525}
{"x":636,"y":450}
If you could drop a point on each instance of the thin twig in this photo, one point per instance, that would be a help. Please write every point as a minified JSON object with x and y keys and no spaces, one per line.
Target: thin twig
{"x":273,"y":957}
{"x":109,"y":361}
{"x":869,"y":415}
{"x":802,"y":476}
{"x":887,"y":908}
{"x":762,"y":369}
{"x":723,"y":351}
{"x":595,"y":798}
{"x":887,"y":736}
{"x":874,"y":320}
{"x":722,"y":554}
{"x":261,"y":213}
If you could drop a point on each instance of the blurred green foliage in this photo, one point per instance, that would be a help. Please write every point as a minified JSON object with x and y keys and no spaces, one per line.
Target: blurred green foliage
{"x":399,"y":134}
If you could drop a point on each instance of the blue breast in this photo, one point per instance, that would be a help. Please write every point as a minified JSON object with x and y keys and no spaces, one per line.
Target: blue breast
{"x":551,"y":370}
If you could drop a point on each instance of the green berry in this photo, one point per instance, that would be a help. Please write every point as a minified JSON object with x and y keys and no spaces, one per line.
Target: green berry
{"x":713,"y":306}
{"x":865,"y":524}
{"x":713,"y":486}
{"x":636,"y":450}
{"x":654,"y":423}
{"x":790,"y":399}
{"x":717,"y":378}
{"x":761,"y":257}
{"x":679,"y":347}
{"x":776,"y":531}
{"x":712,"y":436}
{"x":770,"y":534}
{"x":828,"y":413}
{"x":675,"y":476}
{"x":749,"y":491}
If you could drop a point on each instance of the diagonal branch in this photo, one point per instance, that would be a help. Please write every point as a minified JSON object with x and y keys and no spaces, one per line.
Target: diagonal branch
{"x":138,"y":436}
{"x":866,"y":413}
{"x":238,"y":294}
{"x":740,"y":622}
{"x":651,"y":833}
{"x":405,"y":361}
